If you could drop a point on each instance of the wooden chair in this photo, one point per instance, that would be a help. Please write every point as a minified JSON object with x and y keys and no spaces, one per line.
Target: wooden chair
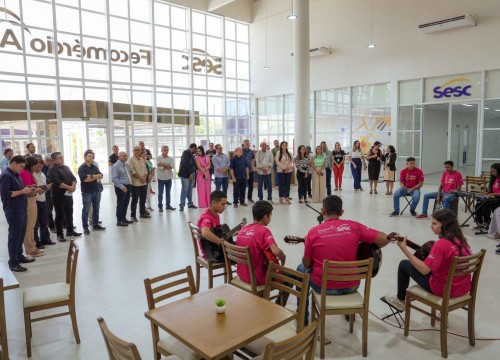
{"x":475,"y":184}
{"x":4,"y":354}
{"x":302,"y":345}
{"x":240,"y":255}
{"x":53,"y":296}
{"x":459,"y":267}
{"x":287,"y":282}
{"x":159,"y":289}
{"x":201,"y":262}
{"x":355,"y":303}
{"x":119,"y":349}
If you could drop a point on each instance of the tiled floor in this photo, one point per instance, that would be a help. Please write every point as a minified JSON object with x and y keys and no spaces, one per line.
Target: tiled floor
{"x":113,"y":264}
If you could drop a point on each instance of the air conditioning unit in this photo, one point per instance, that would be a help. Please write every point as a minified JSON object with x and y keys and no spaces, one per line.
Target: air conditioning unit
{"x":447,"y":24}
{"x":319,"y":51}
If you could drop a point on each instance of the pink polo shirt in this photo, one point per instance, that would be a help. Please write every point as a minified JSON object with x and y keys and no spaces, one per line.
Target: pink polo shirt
{"x":411,"y":178}
{"x":451,"y":181}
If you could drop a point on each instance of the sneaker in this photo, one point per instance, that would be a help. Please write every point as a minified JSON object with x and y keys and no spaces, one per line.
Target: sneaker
{"x":394,"y":213}
{"x":270,"y":201}
{"x":413,"y":213}
{"x":86,"y":231}
{"x":229,"y":203}
{"x":422,"y":216}
{"x":395,"y":302}
{"x":61,"y":239}
{"x":27,"y":259}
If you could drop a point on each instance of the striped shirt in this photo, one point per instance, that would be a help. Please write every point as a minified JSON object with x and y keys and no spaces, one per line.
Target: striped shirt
{"x":304,"y":164}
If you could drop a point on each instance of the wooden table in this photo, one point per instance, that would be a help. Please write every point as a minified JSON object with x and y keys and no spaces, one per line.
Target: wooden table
{"x":195,"y":322}
{"x":9,"y":280}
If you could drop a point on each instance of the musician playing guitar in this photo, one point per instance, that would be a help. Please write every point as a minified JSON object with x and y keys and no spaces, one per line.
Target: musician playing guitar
{"x":431,"y":273}
{"x":336,"y":240}
{"x":259,"y":240}
{"x":210,"y":218}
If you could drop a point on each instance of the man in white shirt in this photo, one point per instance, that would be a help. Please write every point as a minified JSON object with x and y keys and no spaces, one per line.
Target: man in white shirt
{"x":165,"y":174}
{"x":264,"y":163}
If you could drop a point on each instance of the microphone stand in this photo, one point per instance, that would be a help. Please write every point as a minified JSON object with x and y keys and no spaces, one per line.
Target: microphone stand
{"x":320,"y":217}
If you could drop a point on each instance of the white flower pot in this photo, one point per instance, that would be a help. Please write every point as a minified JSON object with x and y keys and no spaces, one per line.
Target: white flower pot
{"x":220,"y":309}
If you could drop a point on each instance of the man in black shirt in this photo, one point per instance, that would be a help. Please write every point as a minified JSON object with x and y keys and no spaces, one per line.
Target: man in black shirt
{"x":64,"y":185}
{"x":187,"y":170}
{"x":113,"y":158}
{"x":13,"y":194}
{"x":211,"y":152}
{"x":91,"y":194}
{"x":31,"y":148}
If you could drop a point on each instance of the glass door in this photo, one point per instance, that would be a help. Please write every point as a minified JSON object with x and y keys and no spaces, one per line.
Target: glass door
{"x":462,"y":144}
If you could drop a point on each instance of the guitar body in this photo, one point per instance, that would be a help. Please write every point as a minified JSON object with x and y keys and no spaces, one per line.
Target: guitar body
{"x":212,"y":251}
{"x":365,"y":251}
{"x":423,"y":251}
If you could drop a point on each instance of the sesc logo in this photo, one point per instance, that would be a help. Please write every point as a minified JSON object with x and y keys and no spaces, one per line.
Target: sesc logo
{"x":449,"y":91}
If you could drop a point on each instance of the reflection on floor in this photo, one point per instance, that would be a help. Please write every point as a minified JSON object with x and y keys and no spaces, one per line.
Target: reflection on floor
{"x":113,"y":264}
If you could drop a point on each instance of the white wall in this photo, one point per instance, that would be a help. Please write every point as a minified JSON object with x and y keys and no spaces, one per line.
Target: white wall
{"x":402,"y":51}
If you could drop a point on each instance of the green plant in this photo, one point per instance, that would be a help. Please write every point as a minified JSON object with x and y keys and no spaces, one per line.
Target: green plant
{"x":220,"y":302}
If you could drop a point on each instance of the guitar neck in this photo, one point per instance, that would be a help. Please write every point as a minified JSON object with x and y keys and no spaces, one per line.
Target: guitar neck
{"x":233,"y":231}
{"x":412,"y":245}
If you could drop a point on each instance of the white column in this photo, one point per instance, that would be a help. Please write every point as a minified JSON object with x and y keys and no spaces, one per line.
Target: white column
{"x":301,"y":76}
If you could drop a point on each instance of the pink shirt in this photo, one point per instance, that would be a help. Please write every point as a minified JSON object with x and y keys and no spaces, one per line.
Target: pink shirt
{"x":495,"y":189}
{"x":27,"y":178}
{"x":451,"y":181}
{"x":207,"y":219}
{"x":411,"y":178}
{"x":335,"y":240}
{"x":258,"y":238}
{"x":439,"y":261}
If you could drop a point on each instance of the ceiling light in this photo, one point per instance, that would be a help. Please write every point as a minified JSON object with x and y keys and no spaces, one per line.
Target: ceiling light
{"x":292,"y":16}
{"x":486,"y":108}
{"x":371,"y":45}
{"x":497,"y":109}
{"x":467,"y":105}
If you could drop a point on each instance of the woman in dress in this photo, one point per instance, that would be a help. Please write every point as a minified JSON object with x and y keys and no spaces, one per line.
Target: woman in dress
{"x":202,"y":161}
{"x":28,"y":179}
{"x":355,"y":158}
{"x":302,"y":163}
{"x":431,"y":274}
{"x":338,"y":165}
{"x":284,"y":163}
{"x":318,"y":165}
{"x":390,"y":158}
{"x":374,"y":158}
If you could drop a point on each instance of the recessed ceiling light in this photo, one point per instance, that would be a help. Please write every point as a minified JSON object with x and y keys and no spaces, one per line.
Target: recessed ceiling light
{"x":486,"y":108}
{"x":371,"y":46}
{"x":497,"y":109}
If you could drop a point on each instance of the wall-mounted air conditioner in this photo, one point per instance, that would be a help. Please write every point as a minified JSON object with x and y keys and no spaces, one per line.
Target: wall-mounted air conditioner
{"x":319,"y":51}
{"x":447,"y":24}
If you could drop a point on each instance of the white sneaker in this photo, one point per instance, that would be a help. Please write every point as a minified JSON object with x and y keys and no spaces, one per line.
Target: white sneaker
{"x":395,"y":302}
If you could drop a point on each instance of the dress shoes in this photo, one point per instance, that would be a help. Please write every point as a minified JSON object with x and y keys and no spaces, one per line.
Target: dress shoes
{"x":170,"y":208}
{"x":61,"y":239}
{"x":121,"y":223}
{"x":17,"y":268}
{"x":40,"y":246}
{"x":50,"y":242}
{"x":134,"y":219}
{"x":98,"y":227}
{"x":145,"y":216}
{"x":85,"y":232}
{"x":161,"y":209}
{"x":128,"y":221}
{"x":193,"y":207}
{"x":53,"y":230}
{"x":25,"y":260}
{"x":73,"y":233}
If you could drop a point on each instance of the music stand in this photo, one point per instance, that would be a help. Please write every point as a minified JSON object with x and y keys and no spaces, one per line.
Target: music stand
{"x":320,"y":217}
{"x":395,"y":312}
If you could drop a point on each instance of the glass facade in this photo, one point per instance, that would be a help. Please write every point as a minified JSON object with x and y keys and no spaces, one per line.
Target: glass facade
{"x":93,"y":73}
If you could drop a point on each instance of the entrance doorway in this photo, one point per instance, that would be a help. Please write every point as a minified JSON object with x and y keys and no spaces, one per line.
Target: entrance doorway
{"x":79,"y":136}
{"x":450,"y":133}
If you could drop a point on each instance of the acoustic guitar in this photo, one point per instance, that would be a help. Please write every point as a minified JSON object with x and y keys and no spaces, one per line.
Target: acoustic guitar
{"x":421,"y":251}
{"x":213,"y":251}
{"x":365,"y":251}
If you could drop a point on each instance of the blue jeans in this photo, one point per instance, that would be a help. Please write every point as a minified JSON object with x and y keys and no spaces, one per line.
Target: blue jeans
{"x":275,"y":171}
{"x":415,"y":196}
{"x":94,"y":199}
{"x":356,"y":173}
{"x":261,"y":179}
{"x":186,"y":192}
{"x":328,"y":181}
{"x":17,"y":229}
{"x":284,"y":186}
{"x":221,"y":183}
{"x":433,"y":195}
{"x":167,"y":186}
{"x":301,"y":268}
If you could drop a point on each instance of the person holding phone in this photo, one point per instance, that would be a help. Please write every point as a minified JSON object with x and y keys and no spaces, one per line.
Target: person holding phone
{"x":41,"y":225}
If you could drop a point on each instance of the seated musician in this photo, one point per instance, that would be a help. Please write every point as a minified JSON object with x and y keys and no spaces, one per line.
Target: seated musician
{"x":335,"y":240}
{"x":411,"y":180}
{"x":486,"y":207}
{"x":431,"y":273}
{"x":209,"y":219}
{"x":259,"y":239}
{"x":451,"y":180}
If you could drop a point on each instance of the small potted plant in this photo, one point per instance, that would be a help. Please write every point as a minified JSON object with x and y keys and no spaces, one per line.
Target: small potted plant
{"x":220,"y":305}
